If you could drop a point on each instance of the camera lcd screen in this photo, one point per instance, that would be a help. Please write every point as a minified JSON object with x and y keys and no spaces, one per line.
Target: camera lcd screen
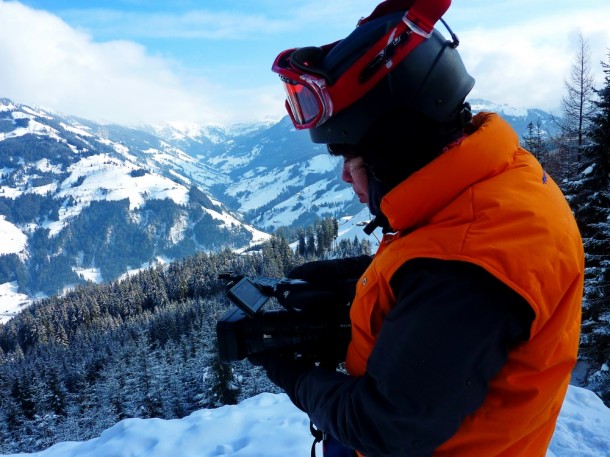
{"x":247,"y":296}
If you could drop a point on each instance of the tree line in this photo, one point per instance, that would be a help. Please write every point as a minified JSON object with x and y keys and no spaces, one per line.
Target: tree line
{"x":578,"y":158}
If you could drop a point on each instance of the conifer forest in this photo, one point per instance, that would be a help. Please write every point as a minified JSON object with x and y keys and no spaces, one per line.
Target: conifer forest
{"x":144,"y":346}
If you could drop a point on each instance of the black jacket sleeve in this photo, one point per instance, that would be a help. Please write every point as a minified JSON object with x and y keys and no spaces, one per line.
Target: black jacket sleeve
{"x":447,"y":336}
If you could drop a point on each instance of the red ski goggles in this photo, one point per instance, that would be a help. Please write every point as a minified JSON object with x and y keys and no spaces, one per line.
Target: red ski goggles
{"x":312,"y":97}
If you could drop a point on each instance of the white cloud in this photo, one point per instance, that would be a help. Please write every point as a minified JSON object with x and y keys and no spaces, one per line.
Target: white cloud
{"x":46,"y":62}
{"x":526,"y":64}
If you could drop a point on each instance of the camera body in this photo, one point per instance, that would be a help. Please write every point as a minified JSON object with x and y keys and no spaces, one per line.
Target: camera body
{"x":309,"y":320}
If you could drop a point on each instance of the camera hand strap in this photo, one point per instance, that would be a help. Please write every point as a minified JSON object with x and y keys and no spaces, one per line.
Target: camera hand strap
{"x":318,"y":436}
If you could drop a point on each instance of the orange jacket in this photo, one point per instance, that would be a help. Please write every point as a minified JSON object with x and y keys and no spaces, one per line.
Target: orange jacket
{"x":488,"y":202}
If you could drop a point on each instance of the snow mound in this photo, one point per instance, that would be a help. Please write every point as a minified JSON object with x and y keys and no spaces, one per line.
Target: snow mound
{"x":270,"y":425}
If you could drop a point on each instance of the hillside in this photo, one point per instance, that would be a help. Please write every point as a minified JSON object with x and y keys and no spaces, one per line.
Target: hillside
{"x":80,"y":201}
{"x":83,"y":201}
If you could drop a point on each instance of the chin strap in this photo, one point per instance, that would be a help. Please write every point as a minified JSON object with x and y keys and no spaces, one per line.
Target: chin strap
{"x":371,"y":226}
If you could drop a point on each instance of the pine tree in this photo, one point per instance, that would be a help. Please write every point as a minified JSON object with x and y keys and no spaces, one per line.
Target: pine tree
{"x":222,"y":388}
{"x":310,"y":243}
{"x":599,"y":133}
{"x":278,"y":257}
{"x":577,"y":105}
{"x":534,"y":140}
{"x":564,"y":161}
{"x":57,"y":394}
{"x":302,"y":244}
{"x":24,"y":398}
{"x":593,"y":215}
{"x":133,"y":348}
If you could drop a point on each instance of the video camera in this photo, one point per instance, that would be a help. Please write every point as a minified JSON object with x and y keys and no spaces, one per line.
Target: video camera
{"x":312,"y":320}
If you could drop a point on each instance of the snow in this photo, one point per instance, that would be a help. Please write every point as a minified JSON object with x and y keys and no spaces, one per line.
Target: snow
{"x":89,"y":274}
{"x":6,"y":105}
{"x":14,"y":240}
{"x":106,"y":178}
{"x":11,"y":301}
{"x":258,"y":187}
{"x":353,"y":227}
{"x":145,"y":266}
{"x":45,"y":165}
{"x":269,"y":425}
{"x":583,"y":427}
{"x":34,"y":127}
{"x":79,"y":130}
{"x":322,"y":163}
{"x":258,"y":191}
{"x":284,"y":213}
{"x":479,"y":105}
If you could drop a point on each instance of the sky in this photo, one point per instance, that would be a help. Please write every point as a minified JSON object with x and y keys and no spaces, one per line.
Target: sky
{"x":208,"y":61}
{"x":269,"y":425}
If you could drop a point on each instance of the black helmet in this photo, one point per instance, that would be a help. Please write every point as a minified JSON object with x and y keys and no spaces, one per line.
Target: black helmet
{"x":431,"y":81}
{"x":391,"y":92}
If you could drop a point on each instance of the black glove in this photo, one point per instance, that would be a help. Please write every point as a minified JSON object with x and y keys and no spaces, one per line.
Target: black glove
{"x":333,"y":281}
{"x":283,"y":369}
{"x":318,"y":302}
{"x":325,"y":271}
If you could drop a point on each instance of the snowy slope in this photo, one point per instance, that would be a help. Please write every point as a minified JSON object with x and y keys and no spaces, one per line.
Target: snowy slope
{"x":14,"y":241}
{"x":518,"y":116}
{"x":59,"y":176}
{"x":137,"y":168}
{"x":269,"y":425}
{"x":253,"y":178}
{"x":11,"y":301}
{"x":279,"y":178}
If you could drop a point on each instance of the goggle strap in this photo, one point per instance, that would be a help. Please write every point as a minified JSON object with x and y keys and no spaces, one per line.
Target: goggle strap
{"x":332,"y":97}
{"x":353,"y":86}
{"x":424,"y":14}
{"x":420,"y":19}
{"x":308,"y":60}
{"x":387,"y":7}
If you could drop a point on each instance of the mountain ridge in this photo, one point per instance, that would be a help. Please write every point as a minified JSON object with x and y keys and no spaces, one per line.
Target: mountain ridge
{"x":76,"y":195}
{"x":157,"y":192}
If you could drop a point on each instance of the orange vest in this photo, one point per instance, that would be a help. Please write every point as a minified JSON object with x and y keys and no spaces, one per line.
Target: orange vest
{"x":487,"y":201}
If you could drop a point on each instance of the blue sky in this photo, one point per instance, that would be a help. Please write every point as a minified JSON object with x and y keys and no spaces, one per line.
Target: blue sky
{"x":209,"y":61}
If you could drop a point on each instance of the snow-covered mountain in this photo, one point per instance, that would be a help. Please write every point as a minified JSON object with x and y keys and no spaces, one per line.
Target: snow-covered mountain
{"x":271,"y":173}
{"x":277,"y":177}
{"x":81,"y":200}
{"x":519,"y":117}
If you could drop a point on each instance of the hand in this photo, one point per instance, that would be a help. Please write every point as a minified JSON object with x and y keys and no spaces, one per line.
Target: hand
{"x":283,"y":369}
{"x":333,"y":281}
{"x":325,"y":271}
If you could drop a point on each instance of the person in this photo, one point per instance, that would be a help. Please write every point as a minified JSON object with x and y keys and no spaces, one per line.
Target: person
{"x":465,"y":322}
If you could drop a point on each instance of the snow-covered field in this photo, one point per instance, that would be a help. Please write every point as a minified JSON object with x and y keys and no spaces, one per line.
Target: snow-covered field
{"x":13,"y":239}
{"x":11,"y":301}
{"x":268,"y":425}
